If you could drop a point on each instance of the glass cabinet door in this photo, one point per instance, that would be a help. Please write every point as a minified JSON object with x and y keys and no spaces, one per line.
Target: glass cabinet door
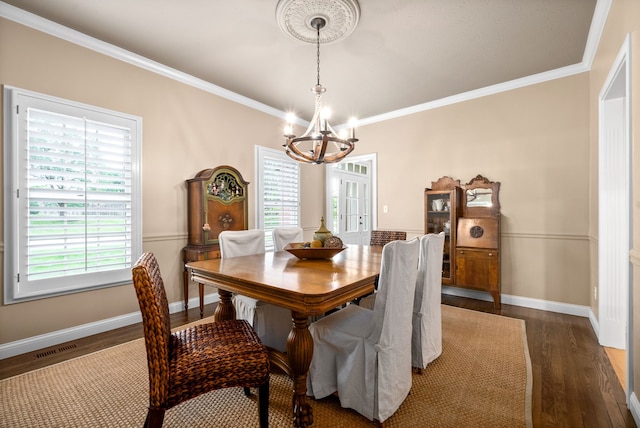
{"x":440,"y":207}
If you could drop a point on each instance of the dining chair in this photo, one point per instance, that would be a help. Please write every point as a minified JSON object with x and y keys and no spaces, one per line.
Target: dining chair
{"x":198,"y":359}
{"x":380,"y":238}
{"x":272,"y":323}
{"x":364,"y":355}
{"x":426,"y":335}
{"x":285,"y":235}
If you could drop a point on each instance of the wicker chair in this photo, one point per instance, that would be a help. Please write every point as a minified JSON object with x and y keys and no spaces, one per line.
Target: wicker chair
{"x":382,"y":237}
{"x":198,"y":359}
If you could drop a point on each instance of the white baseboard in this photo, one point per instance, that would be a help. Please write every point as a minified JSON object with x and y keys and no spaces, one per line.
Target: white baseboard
{"x":46,"y":340}
{"x":634,"y":406}
{"x":525,"y":302}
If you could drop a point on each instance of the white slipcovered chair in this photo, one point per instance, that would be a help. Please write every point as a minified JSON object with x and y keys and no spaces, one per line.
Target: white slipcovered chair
{"x":426,"y":336}
{"x":426,"y":339}
{"x":364,"y":355}
{"x":285,"y":235}
{"x":271,"y":322}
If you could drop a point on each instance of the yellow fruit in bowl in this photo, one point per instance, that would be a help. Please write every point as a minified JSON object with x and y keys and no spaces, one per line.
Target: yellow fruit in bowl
{"x":316,"y":244}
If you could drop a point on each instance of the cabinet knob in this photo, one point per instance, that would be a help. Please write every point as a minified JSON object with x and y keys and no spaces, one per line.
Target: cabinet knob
{"x":461,"y":252}
{"x":491,"y":254}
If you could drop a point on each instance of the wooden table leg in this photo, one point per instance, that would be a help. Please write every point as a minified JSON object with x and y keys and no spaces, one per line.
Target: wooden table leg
{"x":225,"y":309}
{"x":299,"y":353}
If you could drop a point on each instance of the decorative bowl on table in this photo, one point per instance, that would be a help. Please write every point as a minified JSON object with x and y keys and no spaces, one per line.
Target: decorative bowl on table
{"x":301,"y":251}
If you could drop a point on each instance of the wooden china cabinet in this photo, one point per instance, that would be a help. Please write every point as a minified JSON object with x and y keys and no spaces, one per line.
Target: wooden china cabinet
{"x":441,"y":211}
{"x":216,"y":201}
{"x":469,"y":215}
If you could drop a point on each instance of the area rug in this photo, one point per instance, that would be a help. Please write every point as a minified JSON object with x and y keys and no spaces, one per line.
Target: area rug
{"x":482,"y":379}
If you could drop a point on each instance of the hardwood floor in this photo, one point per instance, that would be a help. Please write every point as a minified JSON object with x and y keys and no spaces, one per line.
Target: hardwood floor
{"x":618,"y":358}
{"x":574,"y":383}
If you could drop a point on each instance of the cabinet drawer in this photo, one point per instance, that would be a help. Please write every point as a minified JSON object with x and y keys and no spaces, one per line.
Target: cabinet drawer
{"x":478,"y":268}
{"x":195,"y":254}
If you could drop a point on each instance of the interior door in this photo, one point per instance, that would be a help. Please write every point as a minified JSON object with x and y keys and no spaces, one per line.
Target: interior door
{"x":350,"y":198}
{"x":355,"y":220}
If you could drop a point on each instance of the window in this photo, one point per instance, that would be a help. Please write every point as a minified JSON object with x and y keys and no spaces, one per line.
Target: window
{"x":278,"y":194}
{"x":72,"y":196}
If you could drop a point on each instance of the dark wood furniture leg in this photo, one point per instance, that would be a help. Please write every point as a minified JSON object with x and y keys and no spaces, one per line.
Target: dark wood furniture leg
{"x":201,"y":297}
{"x":185,"y":285}
{"x":225,"y":309}
{"x":299,"y":353}
{"x":496,"y":299}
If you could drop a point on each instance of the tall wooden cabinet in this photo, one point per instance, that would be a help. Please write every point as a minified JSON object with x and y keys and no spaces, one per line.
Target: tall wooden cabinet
{"x":216,"y":201}
{"x":472,"y":246}
{"x":441,"y":211}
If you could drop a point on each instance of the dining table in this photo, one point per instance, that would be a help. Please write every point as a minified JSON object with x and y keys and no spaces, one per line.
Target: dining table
{"x":308,"y":287}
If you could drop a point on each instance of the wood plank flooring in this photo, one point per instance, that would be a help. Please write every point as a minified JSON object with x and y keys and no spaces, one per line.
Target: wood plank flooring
{"x":618,"y":358}
{"x":574,"y":383}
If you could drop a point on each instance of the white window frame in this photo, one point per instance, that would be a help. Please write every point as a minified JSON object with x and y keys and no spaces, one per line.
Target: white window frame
{"x":261,"y":155}
{"x":17,"y":286}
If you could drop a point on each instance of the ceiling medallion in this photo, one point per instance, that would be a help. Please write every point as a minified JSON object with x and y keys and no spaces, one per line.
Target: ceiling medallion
{"x":340,"y":16}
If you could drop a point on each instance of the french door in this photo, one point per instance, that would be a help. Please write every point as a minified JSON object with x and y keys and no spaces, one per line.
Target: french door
{"x":350,"y":199}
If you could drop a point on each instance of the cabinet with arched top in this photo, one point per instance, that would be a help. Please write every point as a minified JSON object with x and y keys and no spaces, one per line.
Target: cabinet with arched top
{"x":478,"y":238}
{"x":216,"y":201}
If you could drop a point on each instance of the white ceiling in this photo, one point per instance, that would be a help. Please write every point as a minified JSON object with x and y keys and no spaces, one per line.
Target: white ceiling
{"x":403,"y":53}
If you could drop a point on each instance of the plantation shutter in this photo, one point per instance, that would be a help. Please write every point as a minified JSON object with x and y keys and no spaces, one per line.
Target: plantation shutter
{"x":73,"y":205}
{"x":280,"y":194}
{"x":79,"y":195}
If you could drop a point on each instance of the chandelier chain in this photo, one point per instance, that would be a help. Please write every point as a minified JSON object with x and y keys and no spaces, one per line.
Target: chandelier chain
{"x":318,"y":52}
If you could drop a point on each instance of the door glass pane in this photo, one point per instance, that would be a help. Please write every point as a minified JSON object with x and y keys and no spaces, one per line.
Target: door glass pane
{"x":351,"y":223}
{"x":333,"y":224}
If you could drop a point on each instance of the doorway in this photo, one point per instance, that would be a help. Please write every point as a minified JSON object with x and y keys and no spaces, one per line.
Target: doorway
{"x":351,"y":198}
{"x":614,"y":211}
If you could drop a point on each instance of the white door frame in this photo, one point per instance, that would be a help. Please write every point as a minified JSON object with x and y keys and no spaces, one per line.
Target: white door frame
{"x":615,"y":309}
{"x":330,"y":174}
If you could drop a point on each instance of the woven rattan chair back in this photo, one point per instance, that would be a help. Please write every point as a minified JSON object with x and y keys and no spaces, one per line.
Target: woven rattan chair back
{"x":237,"y":357}
{"x":382,"y":237}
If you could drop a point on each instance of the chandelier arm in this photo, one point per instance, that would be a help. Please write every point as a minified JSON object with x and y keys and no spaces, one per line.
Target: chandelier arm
{"x":314,"y":125}
{"x":338,"y":156}
{"x":321,"y":149}
{"x":298,"y":159}
{"x":292,"y":146}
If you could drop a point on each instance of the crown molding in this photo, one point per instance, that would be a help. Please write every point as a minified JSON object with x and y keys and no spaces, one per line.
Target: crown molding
{"x":38,"y":23}
{"x":598,"y":22}
{"x":479,"y":93}
{"x":46,"y":26}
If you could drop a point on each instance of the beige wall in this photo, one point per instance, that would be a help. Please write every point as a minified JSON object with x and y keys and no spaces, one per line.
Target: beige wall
{"x":533,"y":140}
{"x":624,"y":18}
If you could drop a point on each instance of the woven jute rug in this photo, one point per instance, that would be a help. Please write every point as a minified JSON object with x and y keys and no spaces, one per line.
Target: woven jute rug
{"x":482,"y":379}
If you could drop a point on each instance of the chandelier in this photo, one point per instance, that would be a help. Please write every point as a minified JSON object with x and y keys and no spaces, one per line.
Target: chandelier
{"x":320,"y":143}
